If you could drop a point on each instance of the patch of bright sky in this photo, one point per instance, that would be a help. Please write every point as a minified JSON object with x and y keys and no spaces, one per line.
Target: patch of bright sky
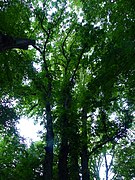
{"x":26,"y":81}
{"x":37,"y":66}
{"x":29,"y":130}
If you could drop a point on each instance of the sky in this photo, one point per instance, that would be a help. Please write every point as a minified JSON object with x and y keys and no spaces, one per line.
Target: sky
{"x":28,"y":130}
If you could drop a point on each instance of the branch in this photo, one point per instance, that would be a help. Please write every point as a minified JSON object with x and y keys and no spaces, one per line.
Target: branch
{"x":79,"y":59}
{"x":45,"y":44}
{"x":111,"y":163}
{"x":35,"y":105}
{"x":41,"y":22}
{"x":47,"y":40}
{"x":106,"y":165}
{"x":119,"y":135}
{"x":63,"y":49}
{"x":37,"y":48}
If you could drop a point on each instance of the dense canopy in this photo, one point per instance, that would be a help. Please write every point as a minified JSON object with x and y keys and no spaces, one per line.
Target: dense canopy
{"x":77,"y":81}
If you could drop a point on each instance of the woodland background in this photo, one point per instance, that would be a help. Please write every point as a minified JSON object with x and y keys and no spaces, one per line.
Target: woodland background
{"x":78,"y":81}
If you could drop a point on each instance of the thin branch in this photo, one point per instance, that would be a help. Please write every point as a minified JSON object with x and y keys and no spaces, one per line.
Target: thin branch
{"x":47,"y":40}
{"x":45,"y":63}
{"x":78,"y":63}
{"x":41,"y":23}
{"x":35,"y":105}
{"x":119,"y":135}
{"x":63,"y":44}
{"x":37,"y":48}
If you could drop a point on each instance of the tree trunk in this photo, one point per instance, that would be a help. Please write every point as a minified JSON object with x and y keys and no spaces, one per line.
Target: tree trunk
{"x":63,"y":160}
{"x":73,"y":153}
{"x":64,"y":122}
{"x":74,"y":145}
{"x":84,"y":163}
{"x":84,"y":149}
{"x":48,"y":164}
{"x":64,"y":148}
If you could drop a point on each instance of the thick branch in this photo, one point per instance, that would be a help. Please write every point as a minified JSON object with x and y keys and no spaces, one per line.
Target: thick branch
{"x":8,"y":42}
{"x":112,"y":158}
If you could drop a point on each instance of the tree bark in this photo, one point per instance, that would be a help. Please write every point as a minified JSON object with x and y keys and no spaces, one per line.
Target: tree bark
{"x":64,"y":122}
{"x":73,"y":153}
{"x":64,"y":147}
{"x":63,"y":159}
{"x":48,"y":164}
{"x":84,"y":149}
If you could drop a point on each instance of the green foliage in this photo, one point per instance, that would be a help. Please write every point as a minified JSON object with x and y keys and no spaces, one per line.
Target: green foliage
{"x":77,"y":81}
{"x":124,"y":163}
{"x":14,"y":17}
{"x":19,"y":162}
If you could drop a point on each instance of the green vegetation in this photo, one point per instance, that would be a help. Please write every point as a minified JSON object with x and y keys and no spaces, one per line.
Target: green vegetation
{"x":78,"y":81}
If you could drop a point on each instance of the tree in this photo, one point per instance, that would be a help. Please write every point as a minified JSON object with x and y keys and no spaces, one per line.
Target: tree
{"x":78,"y":80}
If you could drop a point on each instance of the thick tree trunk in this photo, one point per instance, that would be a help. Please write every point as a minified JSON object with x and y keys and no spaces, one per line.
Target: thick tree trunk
{"x":63,"y":160}
{"x":64,"y":122}
{"x":64,"y":148}
{"x":84,"y":149}
{"x":73,"y":153}
{"x":69,"y":149}
{"x":74,"y":146}
{"x":84,"y":163}
{"x":48,"y":164}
